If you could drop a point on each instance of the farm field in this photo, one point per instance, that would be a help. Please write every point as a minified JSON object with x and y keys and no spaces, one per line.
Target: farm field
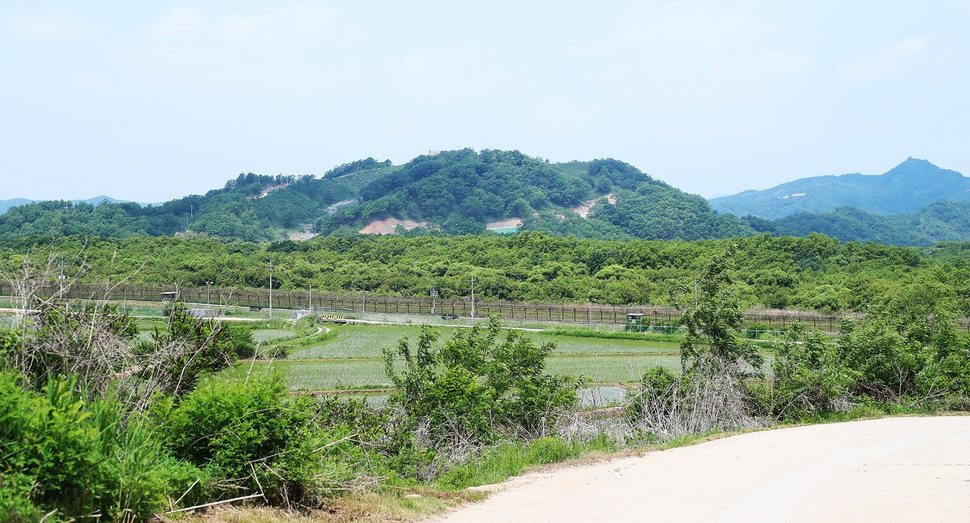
{"x":356,"y":341}
{"x":351,"y":359}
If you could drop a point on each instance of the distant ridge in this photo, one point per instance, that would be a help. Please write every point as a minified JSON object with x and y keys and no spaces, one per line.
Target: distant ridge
{"x":905,"y":189}
{"x":17,"y":202}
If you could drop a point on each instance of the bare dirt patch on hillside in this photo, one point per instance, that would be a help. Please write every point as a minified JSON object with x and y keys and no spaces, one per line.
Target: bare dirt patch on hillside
{"x":584,"y":208}
{"x":389,"y":226}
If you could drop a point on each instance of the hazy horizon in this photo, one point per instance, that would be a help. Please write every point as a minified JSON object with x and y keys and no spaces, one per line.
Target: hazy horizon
{"x":149,"y":102}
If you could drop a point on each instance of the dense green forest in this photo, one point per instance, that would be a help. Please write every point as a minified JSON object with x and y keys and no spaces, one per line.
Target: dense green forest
{"x":250,"y":207}
{"x":454,"y":192}
{"x":462,"y":192}
{"x":810,"y":273}
{"x":940,"y":221}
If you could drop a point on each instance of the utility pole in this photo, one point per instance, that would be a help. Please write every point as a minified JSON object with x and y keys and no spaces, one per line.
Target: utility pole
{"x":310,"y":304}
{"x":473,"y":297}
{"x":60,"y":281}
{"x":271,"y":289}
{"x":208,"y":294}
{"x":434,"y":298}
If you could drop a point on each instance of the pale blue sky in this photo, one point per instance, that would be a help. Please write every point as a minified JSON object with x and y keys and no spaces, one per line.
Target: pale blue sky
{"x":153,"y":100}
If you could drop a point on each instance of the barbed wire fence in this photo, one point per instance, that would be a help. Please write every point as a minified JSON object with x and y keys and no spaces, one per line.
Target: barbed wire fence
{"x":635,"y":317}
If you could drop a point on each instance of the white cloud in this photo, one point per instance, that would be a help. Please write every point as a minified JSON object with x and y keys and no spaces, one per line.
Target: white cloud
{"x":182,"y":21}
{"x":887,"y":61}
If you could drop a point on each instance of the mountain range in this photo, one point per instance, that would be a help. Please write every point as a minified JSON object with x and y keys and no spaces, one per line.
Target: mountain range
{"x":906,"y":188}
{"x":470,"y":192}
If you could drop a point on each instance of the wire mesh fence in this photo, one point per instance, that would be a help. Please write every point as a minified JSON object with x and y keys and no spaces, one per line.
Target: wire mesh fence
{"x":258,"y":300}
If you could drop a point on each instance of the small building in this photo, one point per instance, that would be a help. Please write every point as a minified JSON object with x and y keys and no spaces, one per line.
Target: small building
{"x":170,"y":296}
{"x":204,"y":313}
{"x":634,"y":318}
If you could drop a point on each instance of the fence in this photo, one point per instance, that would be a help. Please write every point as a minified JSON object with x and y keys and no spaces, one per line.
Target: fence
{"x":590,"y":313}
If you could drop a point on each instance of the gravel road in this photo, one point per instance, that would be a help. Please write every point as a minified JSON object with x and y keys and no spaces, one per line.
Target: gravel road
{"x":895,"y":469}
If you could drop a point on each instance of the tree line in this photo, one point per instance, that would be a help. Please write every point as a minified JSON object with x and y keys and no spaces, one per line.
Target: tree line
{"x":814,"y":273}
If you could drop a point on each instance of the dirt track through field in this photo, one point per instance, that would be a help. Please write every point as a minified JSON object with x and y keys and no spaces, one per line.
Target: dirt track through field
{"x":897,"y":469}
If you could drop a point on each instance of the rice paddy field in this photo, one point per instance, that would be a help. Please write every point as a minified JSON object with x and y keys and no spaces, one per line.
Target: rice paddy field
{"x":351,"y":358}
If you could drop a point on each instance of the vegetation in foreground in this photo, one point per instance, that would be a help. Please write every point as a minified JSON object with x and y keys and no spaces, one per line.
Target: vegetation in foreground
{"x":96,"y":422}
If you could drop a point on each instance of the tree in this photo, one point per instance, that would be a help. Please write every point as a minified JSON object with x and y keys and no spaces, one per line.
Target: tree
{"x":714,"y":319}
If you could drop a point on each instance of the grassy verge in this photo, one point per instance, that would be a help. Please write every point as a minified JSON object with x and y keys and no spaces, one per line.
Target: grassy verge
{"x":579,"y":332}
{"x":514,"y":458}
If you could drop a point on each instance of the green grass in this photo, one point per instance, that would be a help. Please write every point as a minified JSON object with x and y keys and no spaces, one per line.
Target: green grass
{"x":514,"y":458}
{"x":610,"y":368}
{"x":583,"y":345}
{"x":356,"y":341}
{"x":333,"y":374}
{"x":357,"y":373}
{"x":268,"y":335}
{"x":351,"y":357}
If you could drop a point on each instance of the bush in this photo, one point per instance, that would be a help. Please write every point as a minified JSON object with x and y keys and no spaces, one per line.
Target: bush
{"x":15,"y":503}
{"x":59,"y":452}
{"x":809,"y":377}
{"x":704,"y":400}
{"x":252,"y":436}
{"x":476,"y":387}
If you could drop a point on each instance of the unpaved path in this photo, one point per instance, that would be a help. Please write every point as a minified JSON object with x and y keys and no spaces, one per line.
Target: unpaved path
{"x":897,"y":469}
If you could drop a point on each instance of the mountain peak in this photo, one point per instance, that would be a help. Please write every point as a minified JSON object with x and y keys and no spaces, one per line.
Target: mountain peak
{"x":906,"y":188}
{"x":913,"y":166}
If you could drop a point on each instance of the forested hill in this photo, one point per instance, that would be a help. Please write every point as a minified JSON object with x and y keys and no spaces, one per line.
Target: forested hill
{"x":940,"y":221}
{"x":17,"y":202}
{"x":905,"y":189}
{"x":454,"y":192}
{"x":464,"y":191}
{"x":469,"y":192}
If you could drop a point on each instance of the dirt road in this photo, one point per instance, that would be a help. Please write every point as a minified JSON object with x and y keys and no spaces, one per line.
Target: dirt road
{"x":900,"y":469}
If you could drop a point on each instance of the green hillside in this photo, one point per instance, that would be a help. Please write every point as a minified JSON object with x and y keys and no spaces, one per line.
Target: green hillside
{"x":468,"y":192}
{"x":464,"y":191}
{"x":905,"y":189}
{"x":249,"y":207}
{"x":454,"y":192}
{"x":940,"y":221}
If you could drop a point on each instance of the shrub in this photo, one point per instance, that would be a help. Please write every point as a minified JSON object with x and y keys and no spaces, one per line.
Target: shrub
{"x":475,"y":386}
{"x":704,"y":400}
{"x":252,"y":436}
{"x":60,"y":452}
{"x":808,"y":377}
{"x":15,"y":503}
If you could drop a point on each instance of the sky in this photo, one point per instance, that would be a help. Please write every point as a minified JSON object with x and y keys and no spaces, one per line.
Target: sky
{"x":149,"y":101}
